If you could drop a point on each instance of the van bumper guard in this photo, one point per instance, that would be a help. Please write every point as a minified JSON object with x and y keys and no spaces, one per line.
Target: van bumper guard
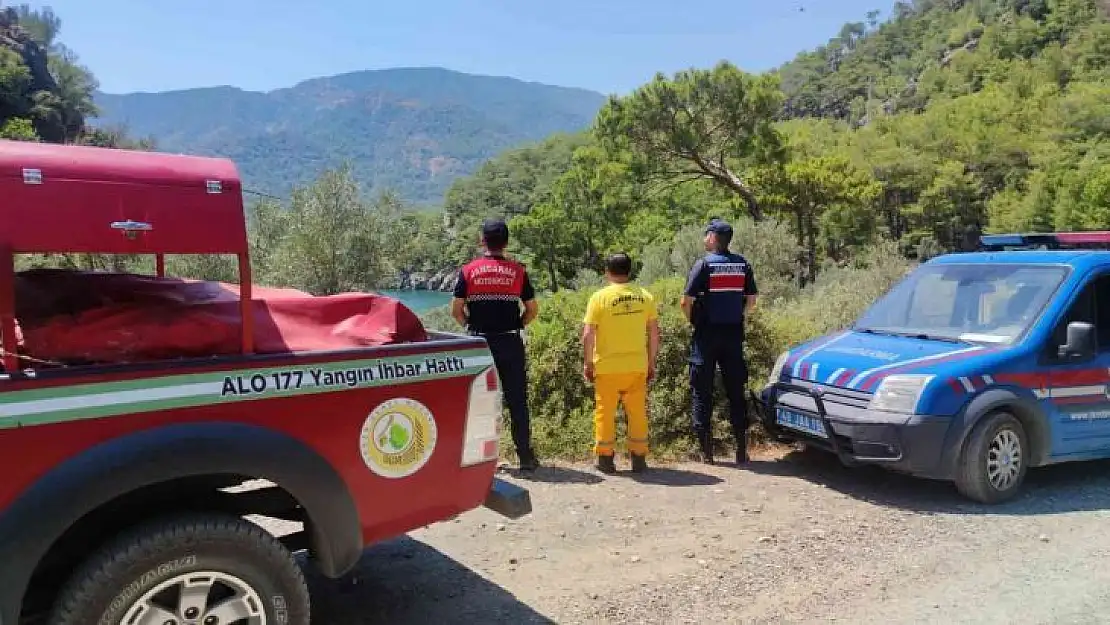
{"x":768,"y":404}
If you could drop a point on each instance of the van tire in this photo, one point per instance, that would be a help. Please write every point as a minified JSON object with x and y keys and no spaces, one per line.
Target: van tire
{"x":997,"y":439}
{"x":180,"y":551}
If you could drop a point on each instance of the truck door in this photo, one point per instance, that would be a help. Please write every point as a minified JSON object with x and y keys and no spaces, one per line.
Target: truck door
{"x":1077,"y":401}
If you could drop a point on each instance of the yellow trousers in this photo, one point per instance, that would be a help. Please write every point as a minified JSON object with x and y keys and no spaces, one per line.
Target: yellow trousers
{"x":629,"y":389}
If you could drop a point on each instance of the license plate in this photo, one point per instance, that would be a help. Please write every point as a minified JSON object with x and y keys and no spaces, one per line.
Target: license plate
{"x":800,"y":422}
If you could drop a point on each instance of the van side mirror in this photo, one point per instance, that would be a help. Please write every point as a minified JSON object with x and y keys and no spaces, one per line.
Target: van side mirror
{"x":1080,"y":343}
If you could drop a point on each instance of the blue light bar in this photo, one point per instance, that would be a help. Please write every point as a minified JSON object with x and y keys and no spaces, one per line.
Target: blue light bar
{"x":1099,"y":240}
{"x":998,"y":240}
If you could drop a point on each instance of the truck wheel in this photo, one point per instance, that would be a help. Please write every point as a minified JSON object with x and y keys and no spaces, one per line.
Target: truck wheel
{"x":203,"y":569}
{"x":992,"y":467}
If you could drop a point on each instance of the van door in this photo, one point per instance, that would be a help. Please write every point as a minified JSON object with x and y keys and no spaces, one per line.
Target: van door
{"x":1077,"y":401}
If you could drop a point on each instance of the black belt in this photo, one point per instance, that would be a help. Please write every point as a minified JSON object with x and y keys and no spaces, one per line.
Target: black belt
{"x":497,"y":333}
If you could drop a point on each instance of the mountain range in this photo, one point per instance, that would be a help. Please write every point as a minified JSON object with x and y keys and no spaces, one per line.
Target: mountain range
{"x":412,"y":130}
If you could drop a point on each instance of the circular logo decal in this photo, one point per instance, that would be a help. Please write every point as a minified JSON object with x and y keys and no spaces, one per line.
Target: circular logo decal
{"x":398,"y":437}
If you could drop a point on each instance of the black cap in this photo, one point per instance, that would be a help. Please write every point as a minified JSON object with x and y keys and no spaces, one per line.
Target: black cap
{"x":495,"y":231}
{"x":719,"y":226}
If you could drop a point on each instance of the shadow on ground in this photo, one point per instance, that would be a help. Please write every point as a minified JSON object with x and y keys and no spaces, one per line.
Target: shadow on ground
{"x":657,"y":475}
{"x":406,"y":582}
{"x":553,"y":475}
{"x":1070,"y":487}
{"x":667,"y":476}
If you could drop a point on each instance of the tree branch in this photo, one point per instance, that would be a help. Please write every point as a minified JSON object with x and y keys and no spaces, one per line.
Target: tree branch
{"x":723,"y":175}
{"x":689,"y":177}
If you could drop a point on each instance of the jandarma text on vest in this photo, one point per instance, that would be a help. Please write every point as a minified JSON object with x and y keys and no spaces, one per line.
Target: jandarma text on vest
{"x":493,"y":275}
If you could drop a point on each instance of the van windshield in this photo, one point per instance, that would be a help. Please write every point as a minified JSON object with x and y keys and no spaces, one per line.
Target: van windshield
{"x":973,"y":303}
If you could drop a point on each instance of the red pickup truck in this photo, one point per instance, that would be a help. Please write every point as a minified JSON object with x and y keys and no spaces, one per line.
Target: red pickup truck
{"x":122,"y":497}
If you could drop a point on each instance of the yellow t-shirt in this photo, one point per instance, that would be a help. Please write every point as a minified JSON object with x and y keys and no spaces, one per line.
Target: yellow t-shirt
{"x":621,"y":313}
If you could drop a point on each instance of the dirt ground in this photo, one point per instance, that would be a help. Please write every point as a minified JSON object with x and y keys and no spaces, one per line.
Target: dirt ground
{"x":788,"y":540}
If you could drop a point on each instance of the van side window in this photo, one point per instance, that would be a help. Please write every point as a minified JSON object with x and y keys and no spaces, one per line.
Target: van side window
{"x":1082,"y":309}
{"x":1092,"y":306}
{"x":1102,"y":312}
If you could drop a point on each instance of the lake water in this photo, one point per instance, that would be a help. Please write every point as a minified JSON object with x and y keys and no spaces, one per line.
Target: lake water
{"x":419,"y":301}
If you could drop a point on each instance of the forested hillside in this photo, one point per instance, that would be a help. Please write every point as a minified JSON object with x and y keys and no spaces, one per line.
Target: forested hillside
{"x":900,"y":139}
{"x":411,"y":131}
{"x":897,"y":140}
{"x":950,"y":117}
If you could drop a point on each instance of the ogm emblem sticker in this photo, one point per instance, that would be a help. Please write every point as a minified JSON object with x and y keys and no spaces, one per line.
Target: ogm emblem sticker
{"x":398,"y":438}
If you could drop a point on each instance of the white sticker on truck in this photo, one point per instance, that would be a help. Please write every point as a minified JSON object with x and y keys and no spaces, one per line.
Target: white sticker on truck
{"x":398,"y":438}
{"x":54,"y":404}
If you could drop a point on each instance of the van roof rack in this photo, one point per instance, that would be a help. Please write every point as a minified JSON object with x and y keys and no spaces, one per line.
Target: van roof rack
{"x":1095,"y":240}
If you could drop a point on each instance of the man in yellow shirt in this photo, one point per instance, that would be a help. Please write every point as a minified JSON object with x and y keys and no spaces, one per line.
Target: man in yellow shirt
{"x":620,"y":341}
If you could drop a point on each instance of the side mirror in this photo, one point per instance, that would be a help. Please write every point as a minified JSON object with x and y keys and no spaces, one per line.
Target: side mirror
{"x":1080,"y":343}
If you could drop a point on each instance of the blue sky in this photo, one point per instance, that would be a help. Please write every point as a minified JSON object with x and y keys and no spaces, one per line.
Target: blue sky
{"x":605,"y":45}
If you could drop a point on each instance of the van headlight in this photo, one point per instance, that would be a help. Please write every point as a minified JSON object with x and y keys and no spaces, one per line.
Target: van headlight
{"x":899,"y":393}
{"x":776,"y":370}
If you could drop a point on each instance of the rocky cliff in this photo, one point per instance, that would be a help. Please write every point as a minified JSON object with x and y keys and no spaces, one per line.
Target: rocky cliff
{"x":28,"y":81}
{"x":442,"y":280}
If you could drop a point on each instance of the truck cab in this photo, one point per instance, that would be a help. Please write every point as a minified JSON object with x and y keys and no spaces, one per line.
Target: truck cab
{"x":973,"y":368}
{"x":129,"y":485}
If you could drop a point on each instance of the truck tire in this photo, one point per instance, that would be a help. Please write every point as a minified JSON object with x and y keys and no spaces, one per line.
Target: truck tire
{"x":209,"y":569}
{"x":994,"y":461}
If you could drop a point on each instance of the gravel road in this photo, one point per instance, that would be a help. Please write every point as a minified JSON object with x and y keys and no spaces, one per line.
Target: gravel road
{"x":794,"y":538}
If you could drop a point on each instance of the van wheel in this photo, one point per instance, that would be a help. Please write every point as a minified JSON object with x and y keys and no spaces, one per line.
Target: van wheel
{"x":992,"y":467}
{"x":209,"y":569}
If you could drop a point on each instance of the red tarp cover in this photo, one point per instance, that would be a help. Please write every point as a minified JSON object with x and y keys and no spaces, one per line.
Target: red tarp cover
{"x":73,"y":316}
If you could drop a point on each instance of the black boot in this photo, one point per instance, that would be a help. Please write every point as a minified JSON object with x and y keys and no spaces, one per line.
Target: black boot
{"x":741,"y":448}
{"x":606,"y":465}
{"x":705,"y":442}
{"x":741,"y":454}
{"x":639,"y":463}
{"x":528,"y":461}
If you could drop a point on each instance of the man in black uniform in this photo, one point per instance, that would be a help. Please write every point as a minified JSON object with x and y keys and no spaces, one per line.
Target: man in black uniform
{"x":720,"y":289}
{"x":488,"y":294}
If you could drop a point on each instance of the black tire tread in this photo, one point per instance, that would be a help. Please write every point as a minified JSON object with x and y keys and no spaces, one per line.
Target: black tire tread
{"x":971,"y":482}
{"x":148,"y":539}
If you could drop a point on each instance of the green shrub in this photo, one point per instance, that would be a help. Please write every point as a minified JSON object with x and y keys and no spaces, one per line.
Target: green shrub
{"x":838,"y":296}
{"x":439,"y":318}
{"x":655,"y":263}
{"x":768,"y":245}
{"x":588,"y":279}
{"x":841,"y":293}
{"x":669,"y":396}
{"x":773,"y":251}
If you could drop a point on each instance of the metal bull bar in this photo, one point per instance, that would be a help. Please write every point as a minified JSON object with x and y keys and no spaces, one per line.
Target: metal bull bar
{"x":768,"y":413}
